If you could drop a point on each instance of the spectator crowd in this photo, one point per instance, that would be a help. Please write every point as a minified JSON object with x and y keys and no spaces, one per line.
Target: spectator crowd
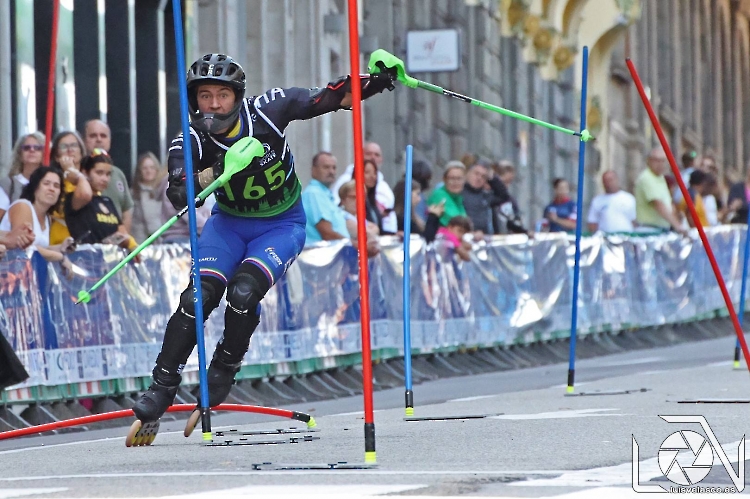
{"x":82,"y":197}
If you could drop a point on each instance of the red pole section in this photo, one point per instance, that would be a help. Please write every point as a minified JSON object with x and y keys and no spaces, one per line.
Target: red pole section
{"x":51,"y":81}
{"x":364,"y":282}
{"x":108,"y":416}
{"x":691,"y":207}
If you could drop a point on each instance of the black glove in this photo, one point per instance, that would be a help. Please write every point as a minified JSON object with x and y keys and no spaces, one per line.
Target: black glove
{"x":383,"y":80}
{"x":177,"y":191}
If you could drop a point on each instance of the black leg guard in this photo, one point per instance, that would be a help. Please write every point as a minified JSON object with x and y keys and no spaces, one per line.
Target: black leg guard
{"x":244,"y":293}
{"x":242,"y":316}
{"x":179,"y":338}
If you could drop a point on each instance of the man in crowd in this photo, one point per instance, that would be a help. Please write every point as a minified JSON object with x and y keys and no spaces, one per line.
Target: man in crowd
{"x":97,"y":134}
{"x":479,"y":201}
{"x":653,"y":201}
{"x":613,"y":211}
{"x":325,"y":220}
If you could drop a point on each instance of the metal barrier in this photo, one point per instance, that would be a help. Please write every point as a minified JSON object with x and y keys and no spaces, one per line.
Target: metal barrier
{"x":515,"y":291}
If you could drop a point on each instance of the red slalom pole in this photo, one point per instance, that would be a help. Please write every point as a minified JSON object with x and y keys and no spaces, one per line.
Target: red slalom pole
{"x":364,"y":282}
{"x":51,"y":82}
{"x":108,"y":416}
{"x":691,"y":207}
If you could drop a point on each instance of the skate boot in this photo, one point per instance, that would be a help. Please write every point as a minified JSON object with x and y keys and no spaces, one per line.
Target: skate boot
{"x":148,"y":410}
{"x":220,"y":381}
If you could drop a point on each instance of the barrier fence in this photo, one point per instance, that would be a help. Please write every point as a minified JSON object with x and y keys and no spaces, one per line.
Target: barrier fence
{"x":514,"y":291}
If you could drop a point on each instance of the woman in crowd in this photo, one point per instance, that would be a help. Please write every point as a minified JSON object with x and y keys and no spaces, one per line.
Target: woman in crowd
{"x":91,"y":217}
{"x":422,"y":174}
{"x":449,"y":194}
{"x":374,"y":210}
{"x":348,"y":196}
{"x":27,"y":157}
{"x":399,"y":205}
{"x":38,"y":200}
{"x":66,"y":154}
{"x":147,"y":217}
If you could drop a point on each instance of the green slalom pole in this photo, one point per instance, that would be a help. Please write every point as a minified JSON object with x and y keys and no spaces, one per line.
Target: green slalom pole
{"x":382,"y":61}
{"x":236,"y":159}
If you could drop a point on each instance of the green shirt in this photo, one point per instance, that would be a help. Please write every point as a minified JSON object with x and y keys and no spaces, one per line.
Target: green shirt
{"x":650,"y":187}
{"x":454,"y":204}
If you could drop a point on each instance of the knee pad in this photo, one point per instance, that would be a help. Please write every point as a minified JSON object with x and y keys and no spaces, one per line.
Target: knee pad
{"x":211,"y":292}
{"x":246,"y":289}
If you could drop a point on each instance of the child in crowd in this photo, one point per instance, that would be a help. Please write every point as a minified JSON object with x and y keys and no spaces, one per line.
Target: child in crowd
{"x":91,"y":217}
{"x":453,"y":234}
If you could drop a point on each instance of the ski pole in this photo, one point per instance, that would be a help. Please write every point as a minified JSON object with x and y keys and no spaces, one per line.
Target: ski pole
{"x":237,"y":158}
{"x":382,"y":61}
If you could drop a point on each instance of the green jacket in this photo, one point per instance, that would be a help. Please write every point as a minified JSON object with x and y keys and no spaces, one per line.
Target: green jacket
{"x":454,"y":204}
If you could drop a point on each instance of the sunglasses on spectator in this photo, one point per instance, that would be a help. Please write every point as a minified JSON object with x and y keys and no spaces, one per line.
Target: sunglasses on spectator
{"x":32,"y":147}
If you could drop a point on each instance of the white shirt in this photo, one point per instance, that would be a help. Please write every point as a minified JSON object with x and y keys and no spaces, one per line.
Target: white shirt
{"x":21,"y":179}
{"x":4,"y":200}
{"x":613,"y":212}
{"x":383,"y":195}
{"x":42,"y":234}
{"x":712,"y":210}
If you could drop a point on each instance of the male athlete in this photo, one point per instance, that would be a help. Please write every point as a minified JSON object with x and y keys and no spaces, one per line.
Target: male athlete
{"x":257,"y":227}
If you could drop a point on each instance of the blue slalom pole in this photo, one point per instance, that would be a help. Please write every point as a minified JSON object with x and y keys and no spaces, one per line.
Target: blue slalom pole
{"x":743,"y":290}
{"x":579,"y":225}
{"x":195,"y":272}
{"x":407,"y":283}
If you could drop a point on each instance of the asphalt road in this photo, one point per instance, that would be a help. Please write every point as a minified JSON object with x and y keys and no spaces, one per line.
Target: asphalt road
{"x":526,"y":438}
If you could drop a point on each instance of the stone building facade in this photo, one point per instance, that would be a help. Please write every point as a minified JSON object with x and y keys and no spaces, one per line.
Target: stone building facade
{"x":694,"y":56}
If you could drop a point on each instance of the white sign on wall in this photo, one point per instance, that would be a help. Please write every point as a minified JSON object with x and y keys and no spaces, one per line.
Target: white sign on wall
{"x":433,"y":50}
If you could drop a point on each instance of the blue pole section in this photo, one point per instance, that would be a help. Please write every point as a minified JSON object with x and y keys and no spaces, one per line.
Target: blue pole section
{"x":743,"y":291}
{"x":579,"y":225}
{"x":407,"y":283}
{"x":195,"y":272}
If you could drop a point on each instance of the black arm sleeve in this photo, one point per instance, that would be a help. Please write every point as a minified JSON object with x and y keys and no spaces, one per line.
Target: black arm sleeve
{"x":281,"y":106}
{"x":431,"y":227}
{"x":500,"y":193}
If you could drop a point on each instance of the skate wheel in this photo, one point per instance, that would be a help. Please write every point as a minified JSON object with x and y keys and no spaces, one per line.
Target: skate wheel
{"x":141,"y":434}
{"x":192,"y":422}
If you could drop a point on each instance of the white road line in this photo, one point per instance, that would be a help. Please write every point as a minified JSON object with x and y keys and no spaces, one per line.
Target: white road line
{"x":51,"y":446}
{"x":723,"y":363}
{"x":621,"y":474}
{"x":82,"y":442}
{"x":306,"y":491}
{"x":10,"y":493}
{"x":577,"y":413}
{"x":469,"y":399}
{"x":109,"y":476}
